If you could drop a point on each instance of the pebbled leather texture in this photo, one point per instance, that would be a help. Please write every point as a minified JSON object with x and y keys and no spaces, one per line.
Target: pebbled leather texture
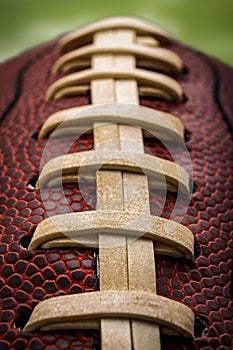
{"x":28,"y":277}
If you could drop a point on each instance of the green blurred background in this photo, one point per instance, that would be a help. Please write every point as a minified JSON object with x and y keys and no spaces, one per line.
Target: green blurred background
{"x":204,"y":24}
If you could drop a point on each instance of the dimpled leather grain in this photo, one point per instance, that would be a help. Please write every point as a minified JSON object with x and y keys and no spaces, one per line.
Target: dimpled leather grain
{"x":28,"y":277}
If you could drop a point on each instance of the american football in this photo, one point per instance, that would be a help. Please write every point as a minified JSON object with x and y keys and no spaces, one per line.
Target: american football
{"x":116,"y":193}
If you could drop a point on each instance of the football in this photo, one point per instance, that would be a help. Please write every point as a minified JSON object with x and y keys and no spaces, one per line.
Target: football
{"x":116,"y":193}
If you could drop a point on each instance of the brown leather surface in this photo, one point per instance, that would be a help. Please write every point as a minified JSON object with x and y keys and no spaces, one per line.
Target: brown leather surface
{"x":223,"y":89}
{"x":29,"y":277}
